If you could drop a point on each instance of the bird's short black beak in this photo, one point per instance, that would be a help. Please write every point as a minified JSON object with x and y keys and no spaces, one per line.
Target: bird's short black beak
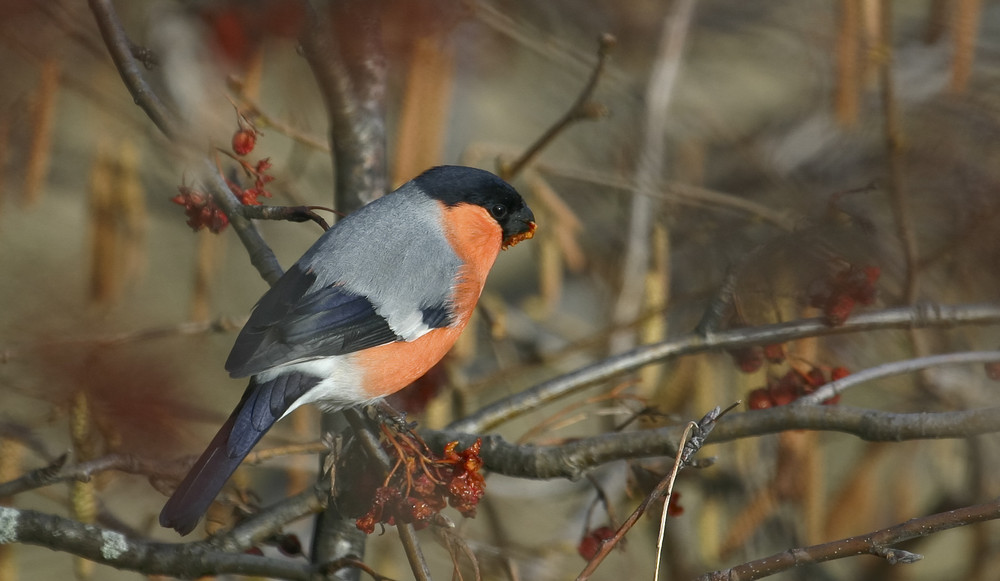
{"x":519,"y":226}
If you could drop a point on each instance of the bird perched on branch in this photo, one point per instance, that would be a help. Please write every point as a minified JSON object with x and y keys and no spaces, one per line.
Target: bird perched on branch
{"x":371,"y":306}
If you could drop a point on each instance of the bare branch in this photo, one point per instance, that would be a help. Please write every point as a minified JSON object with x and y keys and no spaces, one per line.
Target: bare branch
{"x":875,"y":543}
{"x":573,"y":459}
{"x":269,"y":521}
{"x":261,"y":256}
{"x":219,"y":325}
{"x":131,"y":72}
{"x":354,"y":98}
{"x":117,"y":550}
{"x":289,"y":213}
{"x":895,"y":368}
{"x":583,"y":108}
{"x":130,"y":69}
{"x":57,"y":471}
{"x":900,"y":318}
{"x":686,"y":448}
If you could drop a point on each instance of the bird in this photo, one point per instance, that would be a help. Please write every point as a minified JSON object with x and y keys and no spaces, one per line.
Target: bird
{"x":371,"y":306}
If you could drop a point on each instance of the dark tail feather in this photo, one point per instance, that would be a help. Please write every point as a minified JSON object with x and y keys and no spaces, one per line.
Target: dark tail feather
{"x":261,"y":406}
{"x":202,"y":484}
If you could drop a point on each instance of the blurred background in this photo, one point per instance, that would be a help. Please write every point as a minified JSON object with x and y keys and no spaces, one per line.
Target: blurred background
{"x":779,"y":144}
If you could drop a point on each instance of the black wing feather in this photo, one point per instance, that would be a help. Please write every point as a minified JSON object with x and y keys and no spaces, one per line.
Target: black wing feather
{"x":294,"y":320}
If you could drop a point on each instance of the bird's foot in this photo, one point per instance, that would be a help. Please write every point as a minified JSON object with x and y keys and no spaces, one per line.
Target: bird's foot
{"x":387,"y":415}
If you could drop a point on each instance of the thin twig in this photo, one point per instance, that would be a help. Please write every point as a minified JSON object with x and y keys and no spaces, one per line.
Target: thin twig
{"x":219,"y":325}
{"x":344,"y":562}
{"x":649,"y":170}
{"x":408,"y":538}
{"x":290,"y":450}
{"x":670,"y":479}
{"x":685,"y":449}
{"x":254,"y":529}
{"x":875,"y":543}
{"x":893,"y":135}
{"x":263,"y":119}
{"x":671,"y":191}
{"x":289,"y":213}
{"x":895,"y":368}
{"x":918,"y":316}
{"x":58,"y":471}
{"x":132,"y":74}
{"x":583,"y":108}
{"x":129,"y":67}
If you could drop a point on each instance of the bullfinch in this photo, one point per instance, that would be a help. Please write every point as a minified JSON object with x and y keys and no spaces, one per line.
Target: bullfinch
{"x":370,"y":307}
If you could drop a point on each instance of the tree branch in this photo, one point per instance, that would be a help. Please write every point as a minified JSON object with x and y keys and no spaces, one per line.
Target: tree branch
{"x":900,"y":318}
{"x":130,"y":69}
{"x":581,"y":109}
{"x":895,"y":368}
{"x":131,"y":72}
{"x":151,"y":558}
{"x":874,"y":543}
{"x":573,"y":459}
{"x":354,"y":98}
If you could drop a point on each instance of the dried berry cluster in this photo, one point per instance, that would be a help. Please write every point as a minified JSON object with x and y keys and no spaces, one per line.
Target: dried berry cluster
{"x":793,"y":385}
{"x":248,"y":196}
{"x":422,"y":484}
{"x":848,"y":287}
{"x":202,"y":211}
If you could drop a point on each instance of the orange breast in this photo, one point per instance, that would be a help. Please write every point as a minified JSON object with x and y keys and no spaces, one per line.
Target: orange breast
{"x":475,"y":237}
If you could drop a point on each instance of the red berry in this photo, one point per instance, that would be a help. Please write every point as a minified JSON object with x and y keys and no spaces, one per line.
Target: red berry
{"x":588,"y":547}
{"x":675,"y":508}
{"x":591,"y":542}
{"x":839,"y":373}
{"x":784,"y":393}
{"x":774,"y":353}
{"x":244,"y":141}
{"x":759,"y":399}
{"x":748,"y":359}
{"x":815,"y":377}
{"x":838,"y":309}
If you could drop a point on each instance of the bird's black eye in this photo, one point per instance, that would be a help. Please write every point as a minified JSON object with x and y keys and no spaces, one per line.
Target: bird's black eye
{"x":498,"y":211}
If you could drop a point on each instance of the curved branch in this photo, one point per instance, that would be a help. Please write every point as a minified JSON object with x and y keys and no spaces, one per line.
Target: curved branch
{"x":875,"y":543}
{"x":151,"y":558}
{"x":896,"y":368}
{"x":130,"y":69}
{"x":573,"y":459}
{"x":899,"y":318}
{"x":581,"y":109}
{"x":58,"y":472}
